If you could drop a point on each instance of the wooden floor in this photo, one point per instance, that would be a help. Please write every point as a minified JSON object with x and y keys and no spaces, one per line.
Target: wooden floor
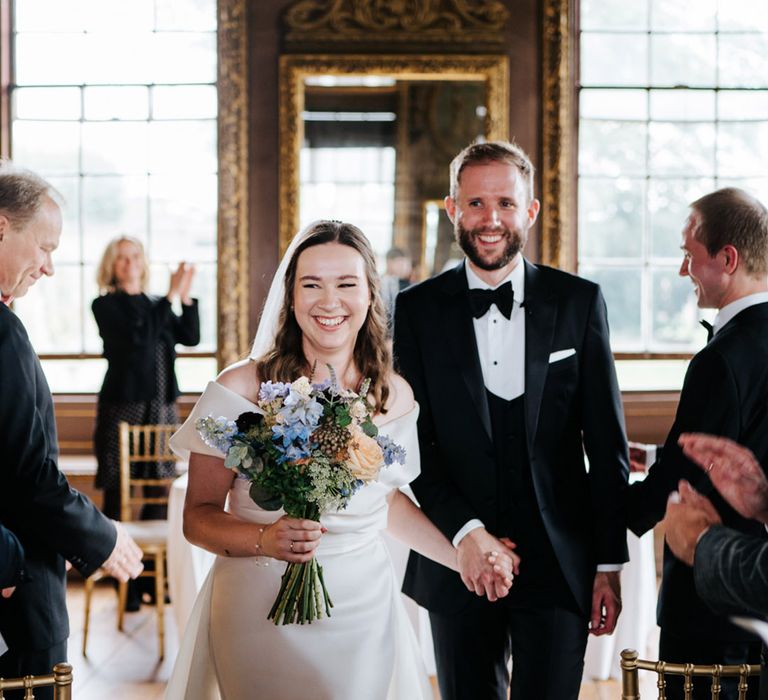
{"x":125,"y":665}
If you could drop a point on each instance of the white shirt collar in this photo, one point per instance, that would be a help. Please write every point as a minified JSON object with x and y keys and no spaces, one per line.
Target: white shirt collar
{"x":735,"y":307}
{"x":517,"y":277}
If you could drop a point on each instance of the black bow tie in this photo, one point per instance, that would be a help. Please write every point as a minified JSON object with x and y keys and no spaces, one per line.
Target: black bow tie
{"x":710,"y":329}
{"x":481,"y":299}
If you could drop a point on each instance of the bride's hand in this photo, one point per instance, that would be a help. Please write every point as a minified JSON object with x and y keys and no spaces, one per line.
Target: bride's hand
{"x":505,"y":566}
{"x":291,"y":539}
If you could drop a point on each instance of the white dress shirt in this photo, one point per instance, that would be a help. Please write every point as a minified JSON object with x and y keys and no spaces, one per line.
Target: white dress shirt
{"x":735,"y":307}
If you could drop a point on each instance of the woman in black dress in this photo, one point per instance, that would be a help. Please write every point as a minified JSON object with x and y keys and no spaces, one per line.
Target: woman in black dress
{"x":140,"y":332}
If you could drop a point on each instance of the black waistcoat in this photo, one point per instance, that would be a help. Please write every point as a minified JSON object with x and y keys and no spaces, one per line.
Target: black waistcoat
{"x":517,"y":510}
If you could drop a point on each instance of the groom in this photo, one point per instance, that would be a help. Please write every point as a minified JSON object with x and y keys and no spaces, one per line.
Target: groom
{"x":511,"y":365}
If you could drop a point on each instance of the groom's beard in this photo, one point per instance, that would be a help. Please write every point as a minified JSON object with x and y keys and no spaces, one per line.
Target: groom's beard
{"x":515,"y":240}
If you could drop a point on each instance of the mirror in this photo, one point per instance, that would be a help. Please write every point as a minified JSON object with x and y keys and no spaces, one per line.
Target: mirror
{"x":368,"y":139}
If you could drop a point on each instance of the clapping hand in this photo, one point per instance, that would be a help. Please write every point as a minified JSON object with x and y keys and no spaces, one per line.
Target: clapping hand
{"x":689,"y":515}
{"x":181,"y":283}
{"x":491,"y":579}
{"x":734,"y":471}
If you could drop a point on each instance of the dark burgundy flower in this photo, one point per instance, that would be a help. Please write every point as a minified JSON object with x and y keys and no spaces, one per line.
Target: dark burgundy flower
{"x":246,"y":421}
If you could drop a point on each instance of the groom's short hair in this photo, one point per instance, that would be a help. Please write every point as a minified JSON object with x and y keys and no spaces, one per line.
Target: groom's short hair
{"x":492,"y":152}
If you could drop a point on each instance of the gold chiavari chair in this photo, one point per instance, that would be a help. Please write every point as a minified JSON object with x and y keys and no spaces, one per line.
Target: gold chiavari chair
{"x":630,"y":686}
{"x":141,"y":444}
{"x":60,"y":679}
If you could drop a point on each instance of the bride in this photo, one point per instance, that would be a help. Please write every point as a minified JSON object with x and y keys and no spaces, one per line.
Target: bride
{"x":323,"y":309}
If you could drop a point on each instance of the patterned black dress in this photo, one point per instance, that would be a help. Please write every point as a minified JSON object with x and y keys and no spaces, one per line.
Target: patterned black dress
{"x":140,"y":333}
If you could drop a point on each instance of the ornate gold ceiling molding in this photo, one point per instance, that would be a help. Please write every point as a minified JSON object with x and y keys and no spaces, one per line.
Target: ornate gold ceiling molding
{"x":558,"y":171}
{"x":232,"y":287}
{"x":377,"y":22}
{"x":492,"y":70}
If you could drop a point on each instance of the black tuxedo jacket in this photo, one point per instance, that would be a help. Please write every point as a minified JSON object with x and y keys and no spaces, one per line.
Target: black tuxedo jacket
{"x":131,"y":327}
{"x":725,"y":392}
{"x":53,"y":522}
{"x":568,"y":403}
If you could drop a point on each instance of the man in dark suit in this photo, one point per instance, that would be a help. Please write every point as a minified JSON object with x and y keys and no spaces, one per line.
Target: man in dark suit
{"x":725,"y":248}
{"x":512,"y":369}
{"x":53,"y":523}
{"x":730,"y":568}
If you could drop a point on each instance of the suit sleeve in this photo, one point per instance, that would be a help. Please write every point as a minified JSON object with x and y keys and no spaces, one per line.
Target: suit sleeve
{"x":437,"y":495}
{"x":731,"y":571}
{"x":605,"y":440}
{"x":709,"y":403}
{"x":186,"y":328}
{"x":11,"y":558}
{"x":45,"y":509}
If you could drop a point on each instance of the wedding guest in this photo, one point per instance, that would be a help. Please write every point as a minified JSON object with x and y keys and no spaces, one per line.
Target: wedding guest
{"x":395,"y":279}
{"x":53,"y":522}
{"x":323,"y":310}
{"x":725,"y":255}
{"x":730,"y":568}
{"x":511,"y":366}
{"x":140,"y":332}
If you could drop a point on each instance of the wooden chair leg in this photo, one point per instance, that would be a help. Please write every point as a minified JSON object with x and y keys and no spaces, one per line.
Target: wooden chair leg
{"x":122,"y":596}
{"x":160,"y":600}
{"x":89,"y":583}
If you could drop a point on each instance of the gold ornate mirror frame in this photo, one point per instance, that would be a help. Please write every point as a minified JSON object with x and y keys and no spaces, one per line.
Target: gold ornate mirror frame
{"x":559,"y":171}
{"x":493,"y":70}
{"x":232,"y":269}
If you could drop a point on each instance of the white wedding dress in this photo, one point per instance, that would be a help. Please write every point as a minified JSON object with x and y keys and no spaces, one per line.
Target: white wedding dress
{"x":366,"y":649}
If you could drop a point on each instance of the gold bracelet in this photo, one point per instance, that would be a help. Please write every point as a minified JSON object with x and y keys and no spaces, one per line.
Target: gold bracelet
{"x":258,"y":544}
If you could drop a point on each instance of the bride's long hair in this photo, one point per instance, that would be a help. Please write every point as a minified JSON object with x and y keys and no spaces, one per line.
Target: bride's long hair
{"x":373,"y":358}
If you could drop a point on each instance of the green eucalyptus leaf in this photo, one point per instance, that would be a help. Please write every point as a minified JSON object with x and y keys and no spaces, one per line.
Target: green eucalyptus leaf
{"x":264,"y":499}
{"x":369,"y":428}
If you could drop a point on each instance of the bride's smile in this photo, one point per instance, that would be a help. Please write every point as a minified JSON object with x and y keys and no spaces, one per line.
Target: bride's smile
{"x":330,"y":298}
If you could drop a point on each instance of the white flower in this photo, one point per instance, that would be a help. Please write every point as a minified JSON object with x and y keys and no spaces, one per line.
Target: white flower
{"x":358,"y":411}
{"x":302,"y":387}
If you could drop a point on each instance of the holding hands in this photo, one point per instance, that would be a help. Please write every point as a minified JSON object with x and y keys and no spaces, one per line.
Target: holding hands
{"x":181,"y":283}
{"x":487,"y":564}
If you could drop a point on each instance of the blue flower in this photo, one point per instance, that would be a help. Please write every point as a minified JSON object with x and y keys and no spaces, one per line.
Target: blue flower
{"x":216,"y":432}
{"x":392,"y":451}
{"x":269,"y":391}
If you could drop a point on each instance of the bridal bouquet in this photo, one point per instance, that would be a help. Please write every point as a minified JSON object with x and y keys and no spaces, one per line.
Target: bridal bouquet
{"x":308,"y":450}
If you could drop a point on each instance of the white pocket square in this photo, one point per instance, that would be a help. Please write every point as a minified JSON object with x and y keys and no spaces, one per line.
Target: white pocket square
{"x":561,"y":355}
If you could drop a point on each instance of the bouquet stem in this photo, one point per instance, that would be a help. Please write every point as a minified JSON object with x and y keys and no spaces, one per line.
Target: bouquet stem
{"x":302,"y":595}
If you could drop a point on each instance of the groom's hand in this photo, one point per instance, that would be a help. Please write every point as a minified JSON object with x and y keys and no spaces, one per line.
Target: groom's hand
{"x":476,"y":571}
{"x":606,"y":602}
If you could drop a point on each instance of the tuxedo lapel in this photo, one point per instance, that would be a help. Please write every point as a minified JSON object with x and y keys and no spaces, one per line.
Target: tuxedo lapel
{"x":540,"y":319}
{"x":460,"y":331}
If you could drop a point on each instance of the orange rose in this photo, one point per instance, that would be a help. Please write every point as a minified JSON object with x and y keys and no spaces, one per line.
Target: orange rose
{"x":364,"y":456}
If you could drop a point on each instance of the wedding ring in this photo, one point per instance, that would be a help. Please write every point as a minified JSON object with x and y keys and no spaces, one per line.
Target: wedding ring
{"x":291,"y":545}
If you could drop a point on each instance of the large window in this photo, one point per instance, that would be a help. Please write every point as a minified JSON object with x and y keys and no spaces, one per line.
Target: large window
{"x":673,"y":104}
{"x":115,"y":103}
